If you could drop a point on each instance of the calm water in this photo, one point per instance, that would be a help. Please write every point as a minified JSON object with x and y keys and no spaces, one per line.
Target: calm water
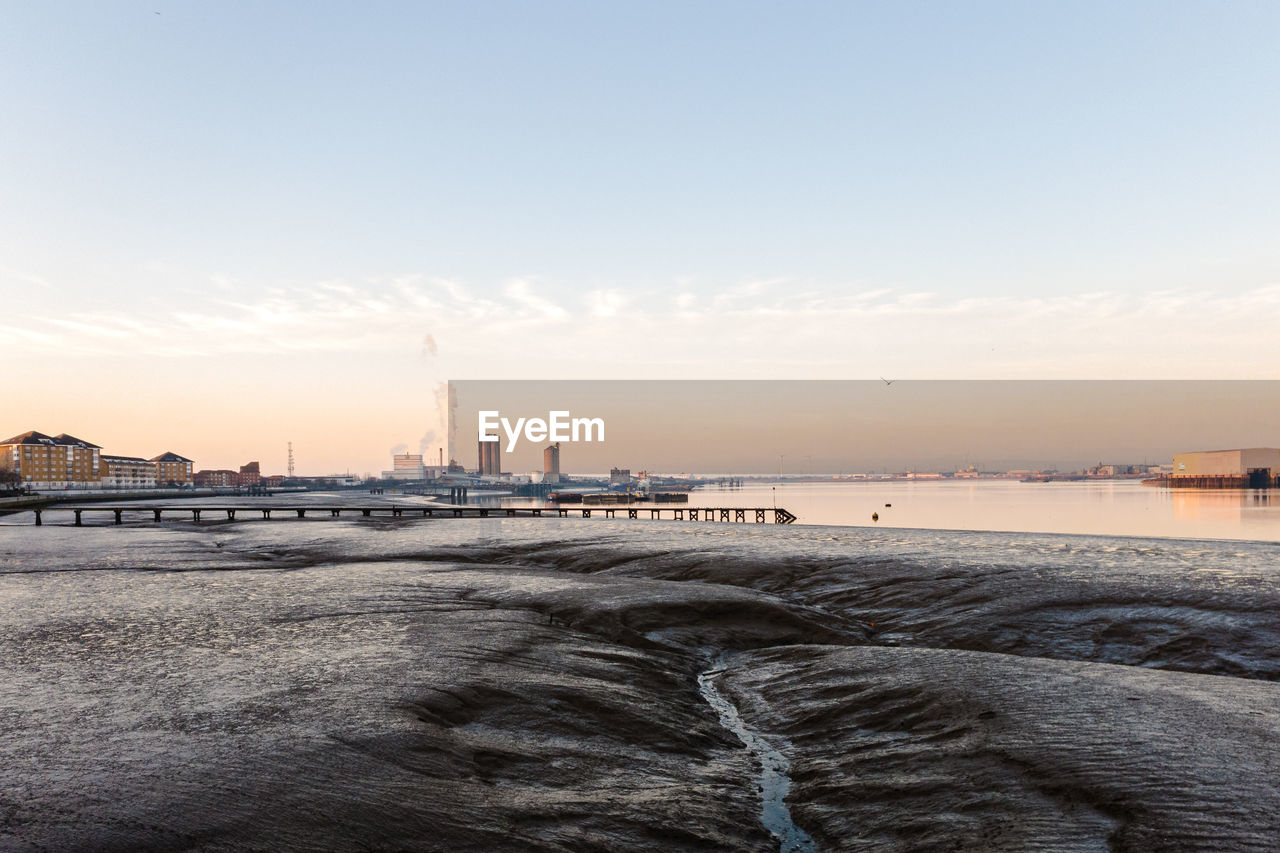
{"x":1103,"y":508}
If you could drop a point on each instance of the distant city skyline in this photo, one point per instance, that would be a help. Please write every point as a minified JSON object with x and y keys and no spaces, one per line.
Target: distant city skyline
{"x":831,"y":426}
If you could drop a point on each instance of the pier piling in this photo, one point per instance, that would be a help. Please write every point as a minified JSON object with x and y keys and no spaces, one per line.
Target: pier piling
{"x":760,"y":515}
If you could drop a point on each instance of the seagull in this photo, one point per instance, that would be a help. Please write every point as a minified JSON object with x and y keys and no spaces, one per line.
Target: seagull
{"x":887,"y":381}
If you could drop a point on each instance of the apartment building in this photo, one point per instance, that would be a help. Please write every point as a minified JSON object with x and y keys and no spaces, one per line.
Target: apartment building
{"x":65,"y":462}
{"x":250,"y":474}
{"x":217,"y":477}
{"x":127,"y":472}
{"x":52,"y":462}
{"x":173,"y":470}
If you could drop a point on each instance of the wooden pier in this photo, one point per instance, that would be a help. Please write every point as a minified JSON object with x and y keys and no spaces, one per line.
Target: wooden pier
{"x":743,"y":515}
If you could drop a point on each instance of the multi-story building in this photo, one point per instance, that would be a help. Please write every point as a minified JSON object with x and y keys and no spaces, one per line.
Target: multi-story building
{"x":619,"y":476}
{"x":127,"y":472}
{"x":173,"y":470}
{"x":250,"y":474}
{"x":551,"y":464}
{"x":405,"y":466}
{"x":409,"y":466}
{"x":52,"y":462}
{"x":216,"y":477}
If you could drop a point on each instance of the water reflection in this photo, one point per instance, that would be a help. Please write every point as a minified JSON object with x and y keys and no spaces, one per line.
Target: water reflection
{"x":1233,"y":506}
{"x":1104,"y":507}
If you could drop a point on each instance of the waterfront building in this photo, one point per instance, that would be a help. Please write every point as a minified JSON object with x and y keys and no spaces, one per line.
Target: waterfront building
{"x":1244,"y":468}
{"x":619,"y":476}
{"x":407,"y":466}
{"x":490,"y":463}
{"x":250,"y":474}
{"x":173,"y":470}
{"x":52,"y":462}
{"x":221,"y":477}
{"x":551,"y":464}
{"x":127,"y":472}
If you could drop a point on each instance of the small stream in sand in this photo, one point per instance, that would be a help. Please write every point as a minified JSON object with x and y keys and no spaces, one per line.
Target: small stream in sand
{"x":774,"y":782}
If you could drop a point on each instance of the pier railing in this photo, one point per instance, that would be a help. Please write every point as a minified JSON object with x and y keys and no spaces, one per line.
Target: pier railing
{"x":741,"y":515}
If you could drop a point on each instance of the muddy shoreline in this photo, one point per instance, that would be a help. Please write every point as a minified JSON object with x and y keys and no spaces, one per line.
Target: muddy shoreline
{"x":396,"y":686}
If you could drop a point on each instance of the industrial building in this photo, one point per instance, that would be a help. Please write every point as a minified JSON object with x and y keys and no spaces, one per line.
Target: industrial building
{"x":1246,"y":468}
{"x":490,"y":461}
{"x":551,"y":464}
{"x":410,"y":466}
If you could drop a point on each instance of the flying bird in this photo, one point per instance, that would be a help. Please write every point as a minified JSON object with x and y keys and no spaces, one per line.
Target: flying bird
{"x":887,"y":381}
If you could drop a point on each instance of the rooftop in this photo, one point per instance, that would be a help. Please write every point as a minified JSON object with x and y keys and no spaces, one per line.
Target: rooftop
{"x":30,"y":437}
{"x":75,"y":442}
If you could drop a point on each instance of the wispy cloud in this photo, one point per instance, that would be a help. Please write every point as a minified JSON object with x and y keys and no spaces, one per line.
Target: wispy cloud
{"x":9,"y":276}
{"x":757,"y":328}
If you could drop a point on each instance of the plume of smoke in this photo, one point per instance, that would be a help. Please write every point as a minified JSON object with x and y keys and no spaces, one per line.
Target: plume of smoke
{"x":428,"y":442}
{"x":446,"y":404}
{"x":399,"y":448}
{"x":429,"y":347}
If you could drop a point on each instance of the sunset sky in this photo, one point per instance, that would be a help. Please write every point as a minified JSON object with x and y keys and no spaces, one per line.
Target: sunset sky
{"x":226,"y":226}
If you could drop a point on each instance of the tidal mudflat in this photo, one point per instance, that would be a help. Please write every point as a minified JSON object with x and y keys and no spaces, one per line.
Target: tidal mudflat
{"x":553,"y":685}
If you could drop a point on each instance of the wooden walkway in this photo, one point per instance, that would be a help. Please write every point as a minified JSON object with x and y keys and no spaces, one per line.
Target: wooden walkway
{"x":758,"y":515}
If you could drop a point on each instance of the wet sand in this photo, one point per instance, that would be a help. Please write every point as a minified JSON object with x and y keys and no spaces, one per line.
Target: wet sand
{"x":427,"y":686}
{"x":931,"y":749}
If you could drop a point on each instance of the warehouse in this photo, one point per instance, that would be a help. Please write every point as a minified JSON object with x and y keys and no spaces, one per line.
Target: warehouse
{"x":1247,"y":468}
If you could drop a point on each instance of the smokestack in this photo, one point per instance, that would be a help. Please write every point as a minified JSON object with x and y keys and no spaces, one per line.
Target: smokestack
{"x":442,"y":457}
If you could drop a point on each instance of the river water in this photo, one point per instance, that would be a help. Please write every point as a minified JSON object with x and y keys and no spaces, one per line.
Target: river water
{"x":1103,"y":507}
{"x":552,"y":684}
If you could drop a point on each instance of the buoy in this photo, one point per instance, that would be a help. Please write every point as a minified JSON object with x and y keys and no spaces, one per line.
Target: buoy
{"x":875,"y":516}
{"x":888,"y":504}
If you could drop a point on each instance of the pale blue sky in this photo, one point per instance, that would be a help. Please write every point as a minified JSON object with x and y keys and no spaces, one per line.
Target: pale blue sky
{"x":928,"y":189}
{"x":956,"y":147}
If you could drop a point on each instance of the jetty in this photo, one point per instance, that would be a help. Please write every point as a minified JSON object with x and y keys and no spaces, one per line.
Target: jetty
{"x":731,"y":515}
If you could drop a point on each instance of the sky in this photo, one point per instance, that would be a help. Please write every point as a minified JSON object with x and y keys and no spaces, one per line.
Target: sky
{"x":227,"y":226}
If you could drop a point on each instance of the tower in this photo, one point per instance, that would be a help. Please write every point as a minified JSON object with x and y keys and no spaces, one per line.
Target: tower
{"x":551,"y":464}
{"x":291,"y":460}
{"x":490,"y":463}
